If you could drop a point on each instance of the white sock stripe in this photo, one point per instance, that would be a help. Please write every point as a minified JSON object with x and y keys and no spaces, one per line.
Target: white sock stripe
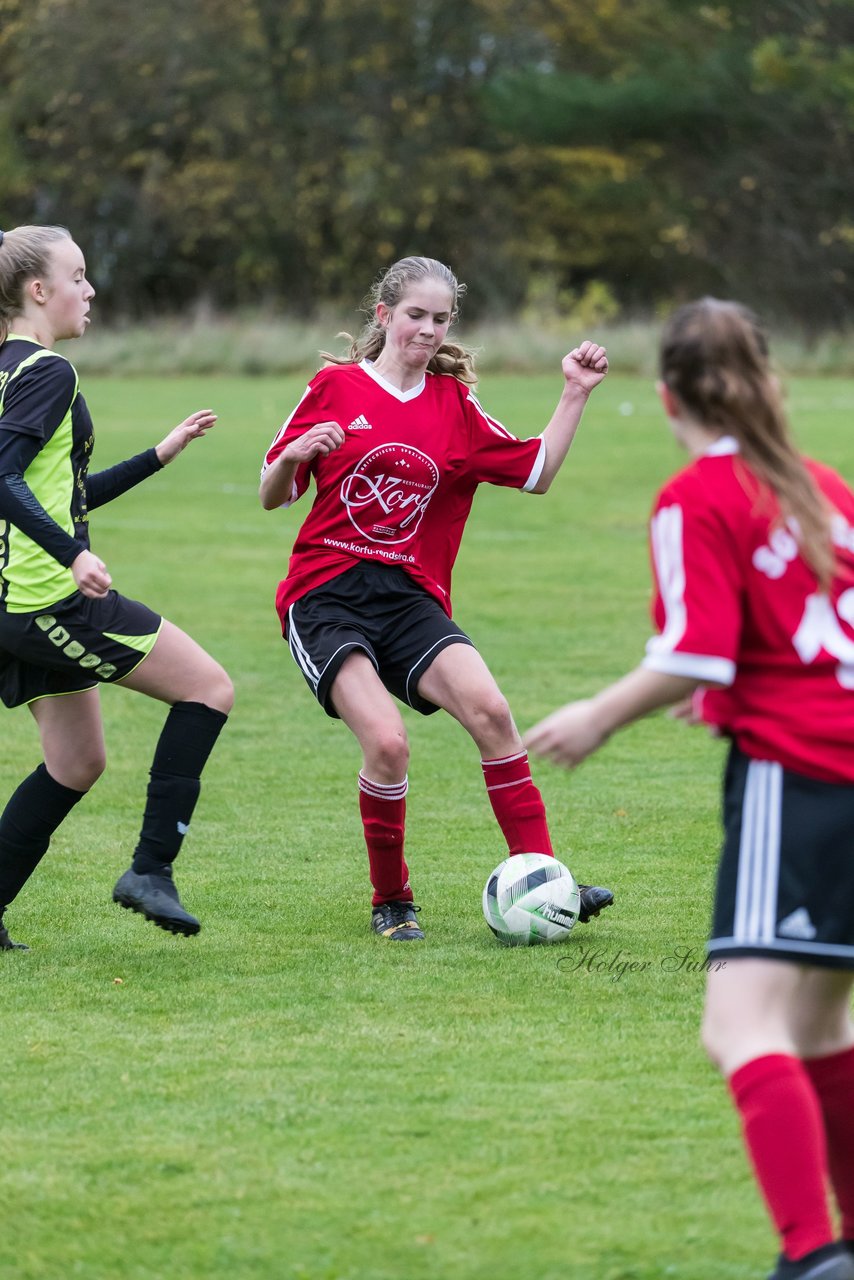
{"x":500,"y":786}
{"x":386,"y":793}
{"x":520,"y":755}
{"x":384,"y":790}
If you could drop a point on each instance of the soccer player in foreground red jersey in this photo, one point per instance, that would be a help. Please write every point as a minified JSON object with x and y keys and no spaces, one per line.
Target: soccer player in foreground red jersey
{"x":753,"y":551}
{"x":397,"y":443}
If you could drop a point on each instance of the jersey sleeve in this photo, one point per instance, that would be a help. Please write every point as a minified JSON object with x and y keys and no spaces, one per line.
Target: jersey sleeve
{"x":34,"y":406}
{"x":19,"y":505}
{"x":308,"y":412}
{"x":36,"y":401}
{"x":104,"y":486}
{"x":697,"y":588}
{"x":496,"y":455}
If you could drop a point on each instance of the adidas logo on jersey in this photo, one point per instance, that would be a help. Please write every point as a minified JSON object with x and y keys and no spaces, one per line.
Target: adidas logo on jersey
{"x":360,"y":424}
{"x":797,"y":925}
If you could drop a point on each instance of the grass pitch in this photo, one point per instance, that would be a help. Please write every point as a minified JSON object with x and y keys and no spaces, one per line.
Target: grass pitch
{"x":287,"y":1097}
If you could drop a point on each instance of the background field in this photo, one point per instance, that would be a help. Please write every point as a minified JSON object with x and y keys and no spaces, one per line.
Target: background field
{"x":288,"y":1098}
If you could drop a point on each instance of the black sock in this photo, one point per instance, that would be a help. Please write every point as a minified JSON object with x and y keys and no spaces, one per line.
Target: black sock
{"x":29,"y":820}
{"x":187,"y":739}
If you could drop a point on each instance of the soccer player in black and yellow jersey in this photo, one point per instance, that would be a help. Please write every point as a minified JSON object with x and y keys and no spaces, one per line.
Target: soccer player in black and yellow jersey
{"x":63,"y":630}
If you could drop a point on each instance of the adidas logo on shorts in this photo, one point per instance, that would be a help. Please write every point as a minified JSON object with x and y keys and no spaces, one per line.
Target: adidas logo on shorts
{"x":360,"y":424}
{"x":797,"y":925}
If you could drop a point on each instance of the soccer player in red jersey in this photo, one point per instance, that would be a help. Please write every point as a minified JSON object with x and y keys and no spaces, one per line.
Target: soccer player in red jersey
{"x":753,"y":551}
{"x":397,"y":443}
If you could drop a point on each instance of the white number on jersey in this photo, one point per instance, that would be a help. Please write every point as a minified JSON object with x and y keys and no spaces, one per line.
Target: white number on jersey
{"x":820,"y":629}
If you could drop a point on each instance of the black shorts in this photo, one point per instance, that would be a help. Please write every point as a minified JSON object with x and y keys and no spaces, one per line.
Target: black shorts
{"x":786,"y":877}
{"x":381,"y":611}
{"x":73,"y":645}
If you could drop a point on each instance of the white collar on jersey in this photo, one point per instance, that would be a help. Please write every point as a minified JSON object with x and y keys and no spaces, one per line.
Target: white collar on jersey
{"x":721,"y":447}
{"x":368,"y":366}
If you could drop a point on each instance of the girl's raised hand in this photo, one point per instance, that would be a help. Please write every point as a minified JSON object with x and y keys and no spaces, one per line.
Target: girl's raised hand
{"x":192,"y":428}
{"x":586,"y":365}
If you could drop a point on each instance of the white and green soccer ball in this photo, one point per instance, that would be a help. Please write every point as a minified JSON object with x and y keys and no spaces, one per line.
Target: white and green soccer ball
{"x":531,"y":898}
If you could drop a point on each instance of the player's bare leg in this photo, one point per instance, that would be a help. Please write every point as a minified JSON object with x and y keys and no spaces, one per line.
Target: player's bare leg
{"x":756,"y":1006}
{"x":72,"y":737}
{"x":179,"y":670}
{"x":73,"y":747}
{"x":459,"y":680}
{"x":370,"y":713}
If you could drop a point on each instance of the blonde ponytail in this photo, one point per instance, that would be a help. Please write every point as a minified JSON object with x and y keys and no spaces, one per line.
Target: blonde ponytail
{"x":714,"y":358}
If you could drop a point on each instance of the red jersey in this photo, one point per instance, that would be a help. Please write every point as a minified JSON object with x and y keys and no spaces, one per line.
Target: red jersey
{"x":737,"y":605}
{"x":400,"y":487}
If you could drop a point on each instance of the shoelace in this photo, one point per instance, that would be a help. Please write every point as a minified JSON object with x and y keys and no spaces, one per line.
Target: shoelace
{"x":397,"y":912}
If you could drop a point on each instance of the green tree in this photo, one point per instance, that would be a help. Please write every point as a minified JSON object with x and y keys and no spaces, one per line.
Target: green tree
{"x":244,"y":151}
{"x":733,"y":125}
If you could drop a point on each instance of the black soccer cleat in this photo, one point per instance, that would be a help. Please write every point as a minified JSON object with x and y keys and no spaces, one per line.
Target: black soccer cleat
{"x":154,"y":896}
{"x":593,"y":900}
{"x":397,"y":921}
{"x":830,"y":1262}
{"x":6,"y":943}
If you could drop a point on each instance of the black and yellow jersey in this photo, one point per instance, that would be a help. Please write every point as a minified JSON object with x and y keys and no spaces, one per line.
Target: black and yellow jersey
{"x":45,"y":424}
{"x":46,"y":442}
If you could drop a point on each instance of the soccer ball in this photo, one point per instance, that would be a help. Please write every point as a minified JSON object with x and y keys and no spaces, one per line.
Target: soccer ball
{"x":531,"y":898}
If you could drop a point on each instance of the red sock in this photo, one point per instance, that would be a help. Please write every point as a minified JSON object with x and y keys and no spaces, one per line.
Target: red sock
{"x":517,"y":804}
{"x":383,"y":809}
{"x":784,"y":1134}
{"x":833,"y":1080}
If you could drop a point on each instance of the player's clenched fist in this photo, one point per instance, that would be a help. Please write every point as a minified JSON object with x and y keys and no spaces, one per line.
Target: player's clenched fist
{"x":90,"y":575}
{"x":586,"y":365}
{"x":319,"y":440}
{"x":277,"y":478}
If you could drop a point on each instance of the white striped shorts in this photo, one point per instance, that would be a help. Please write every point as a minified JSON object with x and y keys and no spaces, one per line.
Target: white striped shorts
{"x":786,"y":878}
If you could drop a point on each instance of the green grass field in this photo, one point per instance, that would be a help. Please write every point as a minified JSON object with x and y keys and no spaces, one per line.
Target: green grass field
{"x":287,"y":1097}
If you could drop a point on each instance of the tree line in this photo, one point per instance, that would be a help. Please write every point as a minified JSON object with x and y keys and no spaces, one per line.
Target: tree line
{"x":613,"y":154}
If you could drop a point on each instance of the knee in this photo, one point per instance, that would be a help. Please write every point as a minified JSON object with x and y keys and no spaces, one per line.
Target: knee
{"x":728,"y":1042}
{"x":222,"y":691}
{"x":217,"y":689}
{"x":388,"y":757}
{"x":491,"y":723}
{"x":713,"y":1041}
{"x":79,"y":772}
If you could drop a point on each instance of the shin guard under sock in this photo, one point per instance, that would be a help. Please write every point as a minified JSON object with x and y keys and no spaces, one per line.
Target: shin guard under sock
{"x":187,"y":739}
{"x":517,"y":804}
{"x":784,"y":1134}
{"x":29,"y":820}
{"x":383,"y":809}
{"x":833,"y":1080}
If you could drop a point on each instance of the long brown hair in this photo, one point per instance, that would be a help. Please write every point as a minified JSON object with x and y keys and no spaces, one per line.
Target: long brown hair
{"x":715,"y":360}
{"x":389,"y":289}
{"x":25,"y":254}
